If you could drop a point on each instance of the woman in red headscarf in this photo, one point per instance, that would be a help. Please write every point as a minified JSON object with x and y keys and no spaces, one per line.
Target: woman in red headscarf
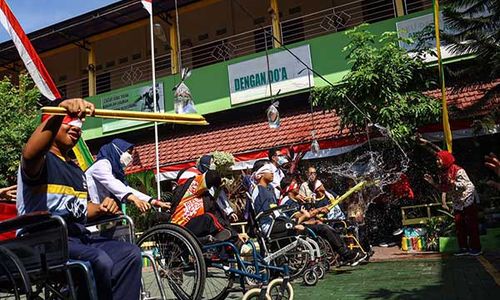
{"x":456,"y":186}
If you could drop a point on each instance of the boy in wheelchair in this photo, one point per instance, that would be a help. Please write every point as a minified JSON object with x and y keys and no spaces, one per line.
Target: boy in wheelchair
{"x":49,"y":181}
{"x":310,"y":219}
{"x":263,"y":199}
{"x":336,"y":218}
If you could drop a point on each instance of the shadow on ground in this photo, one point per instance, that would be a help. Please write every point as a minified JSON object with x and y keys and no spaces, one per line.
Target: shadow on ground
{"x":441,"y":278}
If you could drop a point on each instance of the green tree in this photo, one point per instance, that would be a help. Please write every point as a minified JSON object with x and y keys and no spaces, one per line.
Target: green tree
{"x":473,"y":27}
{"x":18,"y":119}
{"x":385,"y":82}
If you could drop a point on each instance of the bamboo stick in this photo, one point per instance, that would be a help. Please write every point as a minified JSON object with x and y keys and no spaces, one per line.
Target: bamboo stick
{"x":346,"y":195}
{"x":186,"y":119}
{"x":358,"y":187}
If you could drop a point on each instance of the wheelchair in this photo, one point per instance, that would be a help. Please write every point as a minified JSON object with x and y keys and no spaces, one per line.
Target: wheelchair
{"x":173,"y":264}
{"x":349,"y":233}
{"x":258,"y":278}
{"x":36,"y":263}
{"x":301,"y":252}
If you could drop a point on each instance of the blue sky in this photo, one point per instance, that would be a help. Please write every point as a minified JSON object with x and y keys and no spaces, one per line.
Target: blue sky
{"x":37,"y":14}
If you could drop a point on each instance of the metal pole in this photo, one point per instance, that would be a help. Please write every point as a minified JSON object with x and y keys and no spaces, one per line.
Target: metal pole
{"x":158,"y":189}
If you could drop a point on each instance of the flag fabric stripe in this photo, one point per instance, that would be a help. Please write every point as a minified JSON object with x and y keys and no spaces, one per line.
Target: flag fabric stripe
{"x":83,"y":155}
{"x":31,"y":60}
{"x":148,"y":5}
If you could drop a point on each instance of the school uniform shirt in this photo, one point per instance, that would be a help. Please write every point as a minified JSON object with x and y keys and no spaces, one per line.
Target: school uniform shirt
{"x":278,"y":175}
{"x":291,"y":204}
{"x":262,"y":199}
{"x":102,"y":183}
{"x":60,"y":189}
{"x":335,"y":212}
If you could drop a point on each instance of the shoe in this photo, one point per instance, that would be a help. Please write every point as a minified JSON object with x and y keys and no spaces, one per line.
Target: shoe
{"x":385,"y":245}
{"x":398,"y":231}
{"x":359,"y":258}
{"x":475,"y":252}
{"x":223,"y":235}
{"x":462,"y":252}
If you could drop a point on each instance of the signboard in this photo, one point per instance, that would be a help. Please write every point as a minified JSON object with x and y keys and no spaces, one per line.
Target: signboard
{"x":250,"y":80}
{"x":135,"y":99}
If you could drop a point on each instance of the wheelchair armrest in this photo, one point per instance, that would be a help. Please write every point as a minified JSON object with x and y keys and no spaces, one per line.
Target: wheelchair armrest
{"x":336,"y":222}
{"x":24,"y":220}
{"x":109,"y":219}
{"x":270,"y":212}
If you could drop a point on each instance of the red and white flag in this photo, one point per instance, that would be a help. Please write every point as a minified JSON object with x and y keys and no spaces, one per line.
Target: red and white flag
{"x":148,"y":5}
{"x":31,"y":60}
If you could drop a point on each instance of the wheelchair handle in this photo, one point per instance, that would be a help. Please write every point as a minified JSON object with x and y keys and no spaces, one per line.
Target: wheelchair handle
{"x":23,"y":220}
{"x":281,"y":208}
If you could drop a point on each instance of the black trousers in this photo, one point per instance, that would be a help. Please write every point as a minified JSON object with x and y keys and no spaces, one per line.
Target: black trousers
{"x":206,"y":224}
{"x":331,"y":236}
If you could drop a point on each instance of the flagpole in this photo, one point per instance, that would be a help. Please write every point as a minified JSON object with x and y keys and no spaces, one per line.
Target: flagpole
{"x":446,"y":122}
{"x":158,"y":189}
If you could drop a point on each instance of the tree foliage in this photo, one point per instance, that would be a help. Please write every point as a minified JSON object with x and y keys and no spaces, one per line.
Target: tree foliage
{"x":474,"y":28}
{"x":18,"y":117}
{"x":385,"y":82}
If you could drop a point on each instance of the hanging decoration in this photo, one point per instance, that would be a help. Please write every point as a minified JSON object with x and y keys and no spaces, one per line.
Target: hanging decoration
{"x":314,"y":145}
{"x":183,"y":100}
{"x":273,"y":115}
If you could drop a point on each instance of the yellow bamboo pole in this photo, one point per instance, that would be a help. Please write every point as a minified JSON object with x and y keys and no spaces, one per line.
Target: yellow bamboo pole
{"x":347,"y":194}
{"x":186,"y":119}
{"x":275,"y":19}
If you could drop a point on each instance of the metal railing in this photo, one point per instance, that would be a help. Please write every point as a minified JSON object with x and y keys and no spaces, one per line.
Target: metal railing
{"x":417,"y":5}
{"x":226,"y":48}
{"x":301,"y":28}
{"x":335,"y":19}
{"x":114,"y":78}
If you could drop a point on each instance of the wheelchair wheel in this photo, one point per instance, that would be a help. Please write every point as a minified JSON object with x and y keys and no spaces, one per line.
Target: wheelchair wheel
{"x":274,"y":290}
{"x":255,"y":282}
{"x":14,"y":281}
{"x":318,"y":269}
{"x":327,"y":253}
{"x":331,"y":258}
{"x":178,"y":269}
{"x":297,"y":259}
{"x":254,"y":294}
{"x":217,"y":284}
{"x":310,"y":277}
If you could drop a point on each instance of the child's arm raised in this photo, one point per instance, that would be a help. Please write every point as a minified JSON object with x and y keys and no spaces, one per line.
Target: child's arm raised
{"x":33,"y":155}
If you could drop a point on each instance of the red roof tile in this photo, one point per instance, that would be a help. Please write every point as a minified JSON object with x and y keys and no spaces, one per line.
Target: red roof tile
{"x":295,"y":129}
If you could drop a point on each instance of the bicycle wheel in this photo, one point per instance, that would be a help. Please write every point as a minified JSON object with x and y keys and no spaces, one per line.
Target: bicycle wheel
{"x":177,"y":269}
{"x":14,"y":281}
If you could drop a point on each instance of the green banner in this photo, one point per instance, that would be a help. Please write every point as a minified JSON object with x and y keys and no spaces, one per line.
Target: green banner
{"x":139,"y":98}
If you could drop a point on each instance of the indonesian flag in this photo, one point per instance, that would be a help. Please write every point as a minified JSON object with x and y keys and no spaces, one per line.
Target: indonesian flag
{"x":31,"y":60}
{"x":148,"y":5}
